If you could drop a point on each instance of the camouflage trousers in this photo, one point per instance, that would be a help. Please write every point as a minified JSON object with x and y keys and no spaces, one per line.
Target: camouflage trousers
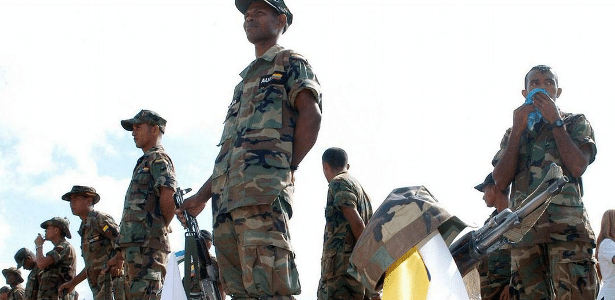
{"x":343,"y":287}
{"x":494,"y":272}
{"x":107,"y":285}
{"x":146,"y":268}
{"x":254,"y":253}
{"x":556,"y":270}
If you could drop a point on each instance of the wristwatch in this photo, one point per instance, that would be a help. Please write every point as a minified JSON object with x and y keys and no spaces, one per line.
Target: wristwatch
{"x":559,"y":123}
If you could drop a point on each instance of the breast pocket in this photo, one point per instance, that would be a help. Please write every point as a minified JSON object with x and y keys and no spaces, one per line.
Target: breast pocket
{"x":267,"y":107}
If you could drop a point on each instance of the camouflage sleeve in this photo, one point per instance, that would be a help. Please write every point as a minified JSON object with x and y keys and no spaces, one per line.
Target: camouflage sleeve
{"x":302,"y":77}
{"x":343,"y":195}
{"x":503,"y":145}
{"x":57,"y":253}
{"x":163,"y":174}
{"x":107,"y":226}
{"x":581,"y":133}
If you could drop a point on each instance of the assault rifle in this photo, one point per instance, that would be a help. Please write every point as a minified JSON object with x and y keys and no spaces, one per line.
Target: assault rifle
{"x":197,"y":257}
{"x":508,"y":226}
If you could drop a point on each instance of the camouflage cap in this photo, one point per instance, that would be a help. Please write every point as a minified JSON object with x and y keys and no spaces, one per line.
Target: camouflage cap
{"x":145,"y":116}
{"x":21,"y":256}
{"x":85,"y":190}
{"x":13,"y":270}
{"x":279,"y":5}
{"x":488,"y":181}
{"x":407,"y":216}
{"x":4,"y":289}
{"x":61,"y":223}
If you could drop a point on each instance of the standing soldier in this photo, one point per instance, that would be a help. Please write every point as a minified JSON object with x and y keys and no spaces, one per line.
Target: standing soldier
{"x":98,"y":238}
{"x":26,"y":258}
{"x":347,"y":212}
{"x":554,"y":259}
{"x":58,"y":265}
{"x":14,"y":280}
{"x":494,"y":269}
{"x":148,"y":210}
{"x":271,"y":124}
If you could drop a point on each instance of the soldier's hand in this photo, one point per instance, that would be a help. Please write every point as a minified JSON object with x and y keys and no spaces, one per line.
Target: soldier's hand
{"x":192,"y":206}
{"x":546,"y":106}
{"x":115,"y":265}
{"x":520,"y":116}
{"x":39,"y":240}
{"x":505,"y":295}
{"x":65,"y":288}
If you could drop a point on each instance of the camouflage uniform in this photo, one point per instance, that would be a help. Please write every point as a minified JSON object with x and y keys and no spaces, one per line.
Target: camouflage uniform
{"x":62,"y":270}
{"x":17,"y":293}
{"x":251,"y":180}
{"x":98,"y":236}
{"x":335,"y":282}
{"x":143,"y":233}
{"x":31,"y":290}
{"x":494,"y":272}
{"x":555,"y":256}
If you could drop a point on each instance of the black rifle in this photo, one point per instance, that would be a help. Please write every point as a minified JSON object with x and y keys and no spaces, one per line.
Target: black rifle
{"x":197,"y":257}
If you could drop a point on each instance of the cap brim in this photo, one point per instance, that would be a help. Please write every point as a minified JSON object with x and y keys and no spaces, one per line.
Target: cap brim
{"x":481,"y":187}
{"x":66,"y":197}
{"x":127,"y":124}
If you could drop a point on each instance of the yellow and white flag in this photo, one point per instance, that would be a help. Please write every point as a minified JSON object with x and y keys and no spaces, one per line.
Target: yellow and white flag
{"x":426,"y":272}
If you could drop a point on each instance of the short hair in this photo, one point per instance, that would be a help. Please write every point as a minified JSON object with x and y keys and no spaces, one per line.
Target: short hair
{"x":541,"y":69}
{"x":335,"y":157}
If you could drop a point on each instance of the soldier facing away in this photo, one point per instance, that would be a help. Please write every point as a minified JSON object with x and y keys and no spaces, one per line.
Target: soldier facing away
{"x":271,"y":124}
{"x":148,"y":209}
{"x":554,"y":259}
{"x":98,"y":238}
{"x":26,"y":258}
{"x":347,"y":212}
{"x":14,"y":280}
{"x":58,"y":265}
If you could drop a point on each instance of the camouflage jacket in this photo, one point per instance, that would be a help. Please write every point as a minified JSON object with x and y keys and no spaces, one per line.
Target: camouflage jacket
{"x":565,"y":218}
{"x":344,"y":191}
{"x":494,"y":272}
{"x":62,"y":270}
{"x":98,"y":236}
{"x":142,"y":220}
{"x":17,"y":293}
{"x":256,"y":147}
{"x":32,"y":285}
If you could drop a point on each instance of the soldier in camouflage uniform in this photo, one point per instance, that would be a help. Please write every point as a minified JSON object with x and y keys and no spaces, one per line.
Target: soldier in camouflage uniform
{"x":347,"y":212}
{"x":271,"y":124}
{"x":494,"y":270}
{"x":14,"y":280}
{"x":554,"y":259}
{"x":98,"y":238}
{"x":148,"y":209}
{"x":58,"y":265}
{"x":26,"y":258}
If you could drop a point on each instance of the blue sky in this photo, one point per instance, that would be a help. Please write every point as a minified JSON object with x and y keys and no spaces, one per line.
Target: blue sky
{"x":417,"y":92}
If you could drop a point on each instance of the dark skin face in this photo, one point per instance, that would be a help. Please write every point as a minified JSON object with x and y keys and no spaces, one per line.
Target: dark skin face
{"x":145,"y":136}
{"x":81,"y":205}
{"x":11,"y":279}
{"x":263,"y":25}
{"x":29,"y":263}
